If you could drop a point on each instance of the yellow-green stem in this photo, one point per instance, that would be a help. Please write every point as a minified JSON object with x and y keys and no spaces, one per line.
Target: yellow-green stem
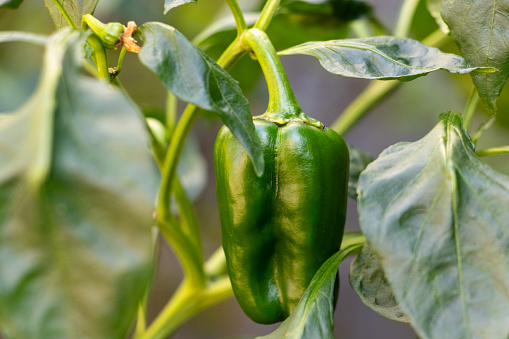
{"x":268,"y":12}
{"x":281,"y":97}
{"x":470,"y":108}
{"x":100,"y":58}
{"x":186,"y":302}
{"x":493,"y":151}
{"x":405,"y":18}
{"x":239,"y":17}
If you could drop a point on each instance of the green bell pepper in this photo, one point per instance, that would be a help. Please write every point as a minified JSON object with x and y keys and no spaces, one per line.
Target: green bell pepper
{"x":280,"y":228}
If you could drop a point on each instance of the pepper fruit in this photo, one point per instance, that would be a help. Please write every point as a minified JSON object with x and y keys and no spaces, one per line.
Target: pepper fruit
{"x":278,"y":229}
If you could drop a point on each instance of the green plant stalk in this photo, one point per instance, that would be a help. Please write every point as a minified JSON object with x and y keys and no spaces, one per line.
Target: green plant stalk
{"x":352,"y":238}
{"x":493,"y":151}
{"x":185,"y":240}
{"x":171,"y":112}
{"x":118,"y":69}
{"x":281,"y":97}
{"x":239,"y":17}
{"x":360,"y":28}
{"x":185,"y":303}
{"x":216,"y":265}
{"x":65,"y":14}
{"x":100,"y":58}
{"x":405,"y":18}
{"x":190,"y":259}
{"x":470,"y":108}
{"x":268,"y":12}
{"x":376,"y":91}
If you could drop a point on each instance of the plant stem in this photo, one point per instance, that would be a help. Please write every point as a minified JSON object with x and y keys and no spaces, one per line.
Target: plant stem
{"x":360,"y":28}
{"x":118,"y":69}
{"x":171,"y":112}
{"x":493,"y":151}
{"x":100,"y":59}
{"x":281,"y":97}
{"x":268,"y":12}
{"x":190,"y":259}
{"x":65,"y":14}
{"x":405,"y":18}
{"x":237,"y":14}
{"x":216,"y":265}
{"x":352,"y":239}
{"x":470,"y":108}
{"x":376,"y":91}
{"x":185,"y":303}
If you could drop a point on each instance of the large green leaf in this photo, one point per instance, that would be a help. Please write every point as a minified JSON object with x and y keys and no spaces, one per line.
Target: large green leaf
{"x":75,"y":8}
{"x":169,"y":4}
{"x":192,"y":76}
{"x":77,"y":187}
{"x":358,"y":162}
{"x":437,"y":218}
{"x":367,"y":278}
{"x":382,"y":58}
{"x":481,"y":30}
{"x":314,"y":315}
{"x":10,"y":3}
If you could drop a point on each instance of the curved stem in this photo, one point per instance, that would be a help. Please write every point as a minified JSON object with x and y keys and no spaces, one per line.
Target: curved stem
{"x":470,"y":108}
{"x":268,"y":12}
{"x":237,"y":14}
{"x":185,"y":303}
{"x":216,"y":265}
{"x":171,"y":112}
{"x":405,"y":18}
{"x":170,"y":162}
{"x":99,"y":56}
{"x":281,"y":97}
{"x":493,"y":151}
{"x":376,"y":91}
{"x":121,"y":56}
{"x":65,"y":14}
{"x":190,"y":259}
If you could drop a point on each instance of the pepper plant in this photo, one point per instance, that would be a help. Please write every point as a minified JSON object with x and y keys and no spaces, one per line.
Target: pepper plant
{"x":88,"y":182}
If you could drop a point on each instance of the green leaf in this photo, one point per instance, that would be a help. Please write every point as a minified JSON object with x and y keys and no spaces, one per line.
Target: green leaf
{"x":436,"y":217}
{"x":367,"y":278}
{"x":192,"y":76}
{"x":382,"y":58}
{"x":10,"y":3}
{"x":13,"y":36}
{"x":434,"y":8}
{"x":358,"y":162}
{"x":480,"y":29}
{"x":75,"y":8}
{"x":169,"y":4}
{"x":77,"y":190}
{"x":314,"y":315}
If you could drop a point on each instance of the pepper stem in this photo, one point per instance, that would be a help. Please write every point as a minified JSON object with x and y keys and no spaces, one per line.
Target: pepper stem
{"x":281,"y":97}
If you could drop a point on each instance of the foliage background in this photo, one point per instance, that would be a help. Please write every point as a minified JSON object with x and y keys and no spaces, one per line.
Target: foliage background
{"x":406,"y":116}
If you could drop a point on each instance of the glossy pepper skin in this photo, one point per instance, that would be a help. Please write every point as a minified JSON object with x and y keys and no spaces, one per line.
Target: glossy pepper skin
{"x":280,"y":228}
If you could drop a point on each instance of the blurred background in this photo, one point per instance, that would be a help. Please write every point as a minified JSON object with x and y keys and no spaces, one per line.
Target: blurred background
{"x":407,"y":115}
